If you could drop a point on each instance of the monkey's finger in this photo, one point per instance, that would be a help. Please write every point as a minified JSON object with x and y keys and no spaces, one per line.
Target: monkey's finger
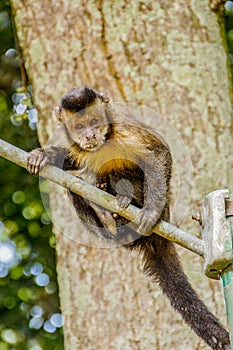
{"x":144,"y":228}
{"x":36,"y":164}
{"x":43,"y":162}
{"x":123,"y":201}
{"x":126,"y":202}
{"x":31,"y":165}
{"x":32,"y":159}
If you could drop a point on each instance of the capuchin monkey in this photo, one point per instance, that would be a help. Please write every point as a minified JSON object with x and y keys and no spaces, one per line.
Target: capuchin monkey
{"x":102,"y":142}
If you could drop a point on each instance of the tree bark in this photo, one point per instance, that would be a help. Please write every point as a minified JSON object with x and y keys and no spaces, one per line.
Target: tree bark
{"x":171,"y":57}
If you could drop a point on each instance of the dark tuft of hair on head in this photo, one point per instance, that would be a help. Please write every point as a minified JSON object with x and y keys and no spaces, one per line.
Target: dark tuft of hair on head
{"x":79,"y":99}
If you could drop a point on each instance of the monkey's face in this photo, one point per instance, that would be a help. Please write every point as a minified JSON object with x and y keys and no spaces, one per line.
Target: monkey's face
{"x":87,"y":128}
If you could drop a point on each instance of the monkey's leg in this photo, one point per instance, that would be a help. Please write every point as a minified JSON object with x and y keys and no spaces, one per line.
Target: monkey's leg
{"x":161,"y":262}
{"x":106,"y":218}
{"x":89,"y":216}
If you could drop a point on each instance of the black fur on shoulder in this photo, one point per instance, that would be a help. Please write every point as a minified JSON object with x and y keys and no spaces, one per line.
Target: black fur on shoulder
{"x":79,"y":99}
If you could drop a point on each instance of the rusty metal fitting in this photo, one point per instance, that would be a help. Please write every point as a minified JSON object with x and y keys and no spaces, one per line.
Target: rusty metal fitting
{"x":197,"y":217}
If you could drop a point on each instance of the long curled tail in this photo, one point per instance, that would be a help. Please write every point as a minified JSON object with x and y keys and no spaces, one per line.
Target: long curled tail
{"x":161,"y":263}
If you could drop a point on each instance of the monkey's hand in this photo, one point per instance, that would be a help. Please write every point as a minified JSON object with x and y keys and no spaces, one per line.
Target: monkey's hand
{"x":125,"y":191}
{"x":147,"y":219}
{"x":36,"y":161}
{"x":123,"y":201}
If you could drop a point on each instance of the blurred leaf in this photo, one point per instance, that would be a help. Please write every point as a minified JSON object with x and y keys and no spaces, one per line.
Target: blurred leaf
{"x":26,"y":240}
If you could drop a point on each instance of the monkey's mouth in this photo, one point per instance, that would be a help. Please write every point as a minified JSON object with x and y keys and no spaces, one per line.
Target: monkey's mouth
{"x":93,"y":145}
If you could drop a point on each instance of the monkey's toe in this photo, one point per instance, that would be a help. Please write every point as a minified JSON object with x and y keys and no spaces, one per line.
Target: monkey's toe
{"x":103,"y":186}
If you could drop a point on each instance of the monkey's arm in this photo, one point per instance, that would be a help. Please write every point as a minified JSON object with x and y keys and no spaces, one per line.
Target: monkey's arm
{"x":155,"y":193}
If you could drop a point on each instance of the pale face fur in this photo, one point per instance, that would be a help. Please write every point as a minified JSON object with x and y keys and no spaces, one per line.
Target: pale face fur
{"x":87,"y":128}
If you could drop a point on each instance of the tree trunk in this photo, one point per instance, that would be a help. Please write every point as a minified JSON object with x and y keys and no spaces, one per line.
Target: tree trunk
{"x":166,"y":55}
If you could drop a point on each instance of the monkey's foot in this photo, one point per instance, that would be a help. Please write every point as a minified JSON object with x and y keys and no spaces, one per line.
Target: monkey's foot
{"x":147,"y":219}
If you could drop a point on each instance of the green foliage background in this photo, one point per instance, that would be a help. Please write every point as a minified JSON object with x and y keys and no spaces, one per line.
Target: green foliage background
{"x":229,"y":29}
{"x":28,"y":286}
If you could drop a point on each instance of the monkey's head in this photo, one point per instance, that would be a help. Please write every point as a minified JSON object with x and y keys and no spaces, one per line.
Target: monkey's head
{"x":83,"y":112}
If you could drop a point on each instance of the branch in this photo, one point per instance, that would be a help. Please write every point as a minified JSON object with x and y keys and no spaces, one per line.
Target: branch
{"x":101,"y":198}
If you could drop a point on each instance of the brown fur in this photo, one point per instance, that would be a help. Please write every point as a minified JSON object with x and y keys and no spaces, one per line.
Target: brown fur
{"x":130,"y":161}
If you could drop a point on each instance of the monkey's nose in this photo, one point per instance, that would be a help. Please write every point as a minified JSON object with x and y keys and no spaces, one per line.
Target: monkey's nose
{"x":89,"y":137}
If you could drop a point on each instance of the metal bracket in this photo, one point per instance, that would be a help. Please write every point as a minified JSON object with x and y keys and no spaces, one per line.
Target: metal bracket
{"x":229,"y":207}
{"x":216,"y":232}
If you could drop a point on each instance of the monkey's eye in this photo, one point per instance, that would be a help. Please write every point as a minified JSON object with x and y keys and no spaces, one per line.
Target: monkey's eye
{"x":78,"y":126}
{"x":94,"y":121}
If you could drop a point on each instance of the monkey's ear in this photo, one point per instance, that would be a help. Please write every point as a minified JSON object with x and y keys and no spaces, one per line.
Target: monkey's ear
{"x":105,"y":97}
{"x":56,"y":114}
